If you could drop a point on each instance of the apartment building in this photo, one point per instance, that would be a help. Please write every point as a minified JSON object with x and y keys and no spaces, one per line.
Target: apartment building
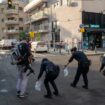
{"x":60,"y":20}
{"x":12,"y":20}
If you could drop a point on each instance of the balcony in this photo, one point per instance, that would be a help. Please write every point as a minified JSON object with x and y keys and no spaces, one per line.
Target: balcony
{"x":9,"y":22}
{"x":34,"y":4}
{"x":39,"y":18}
{"x":11,"y":11}
{"x":11,"y":31}
{"x":42,"y":31}
{"x":35,"y":18}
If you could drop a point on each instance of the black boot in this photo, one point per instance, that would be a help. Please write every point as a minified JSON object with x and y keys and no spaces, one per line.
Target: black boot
{"x":48,"y":96}
{"x":85,"y":87}
{"x":72,"y":85}
{"x":56,"y":93}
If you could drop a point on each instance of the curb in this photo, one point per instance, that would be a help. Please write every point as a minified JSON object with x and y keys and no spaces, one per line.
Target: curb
{"x":88,"y":54}
{"x":94,"y":54}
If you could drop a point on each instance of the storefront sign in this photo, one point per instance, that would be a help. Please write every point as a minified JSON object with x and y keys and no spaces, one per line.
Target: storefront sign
{"x":94,"y":26}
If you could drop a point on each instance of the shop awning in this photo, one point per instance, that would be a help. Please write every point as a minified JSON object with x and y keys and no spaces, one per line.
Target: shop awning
{"x":95,"y":29}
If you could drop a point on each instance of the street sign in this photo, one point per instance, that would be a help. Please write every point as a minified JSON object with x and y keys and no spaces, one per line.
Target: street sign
{"x":31,"y":34}
{"x":82,"y":30}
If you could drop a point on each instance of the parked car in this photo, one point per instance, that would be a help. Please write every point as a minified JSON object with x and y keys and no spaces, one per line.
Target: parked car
{"x":7,"y":43}
{"x":39,"y":46}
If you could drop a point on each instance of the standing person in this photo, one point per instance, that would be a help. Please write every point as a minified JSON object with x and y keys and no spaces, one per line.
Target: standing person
{"x":102,"y":63}
{"x":52,"y":72}
{"x":83,"y":66}
{"x":22,"y":57}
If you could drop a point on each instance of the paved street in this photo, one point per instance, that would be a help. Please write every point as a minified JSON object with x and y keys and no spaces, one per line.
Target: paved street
{"x":68,"y":95}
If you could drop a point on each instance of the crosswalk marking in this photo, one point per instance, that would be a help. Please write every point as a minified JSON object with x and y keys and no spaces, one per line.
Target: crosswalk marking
{"x":3,"y":90}
{"x":3,"y":80}
{"x":43,"y":55}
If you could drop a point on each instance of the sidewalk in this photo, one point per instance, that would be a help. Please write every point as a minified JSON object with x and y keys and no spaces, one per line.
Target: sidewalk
{"x":87,"y":52}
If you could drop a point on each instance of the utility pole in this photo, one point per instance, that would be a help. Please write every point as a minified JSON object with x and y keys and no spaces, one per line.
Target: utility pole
{"x":53,"y":29}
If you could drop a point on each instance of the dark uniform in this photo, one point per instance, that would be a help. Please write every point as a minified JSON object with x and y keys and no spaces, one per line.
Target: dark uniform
{"x":83,"y":67}
{"x":103,"y":65}
{"x":52,"y":72}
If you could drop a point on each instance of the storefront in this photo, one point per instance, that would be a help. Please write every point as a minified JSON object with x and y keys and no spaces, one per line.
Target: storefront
{"x":94,"y":37}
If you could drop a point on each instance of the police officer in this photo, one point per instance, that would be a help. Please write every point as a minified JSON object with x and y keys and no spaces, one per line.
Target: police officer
{"x":83,"y":66}
{"x":52,"y":72}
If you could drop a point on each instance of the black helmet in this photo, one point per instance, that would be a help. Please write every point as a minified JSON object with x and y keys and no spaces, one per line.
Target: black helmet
{"x":44,"y":59}
{"x":74,"y":49}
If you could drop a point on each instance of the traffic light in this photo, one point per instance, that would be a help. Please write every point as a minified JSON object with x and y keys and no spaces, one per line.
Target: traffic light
{"x":9,"y":3}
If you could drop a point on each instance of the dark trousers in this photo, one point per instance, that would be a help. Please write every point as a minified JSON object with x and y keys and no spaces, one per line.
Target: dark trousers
{"x":102,"y":66}
{"x":82,"y":70}
{"x":50,"y":79}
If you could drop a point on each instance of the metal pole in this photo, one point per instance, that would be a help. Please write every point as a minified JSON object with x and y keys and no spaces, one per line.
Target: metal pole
{"x":53,"y":29}
{"x":101,"y":19}
{"x":54,"y":40}
{"x":30,"y":24}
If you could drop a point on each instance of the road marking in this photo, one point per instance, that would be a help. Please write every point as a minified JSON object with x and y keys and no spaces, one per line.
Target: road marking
{"x":45,"y":55}
{"x":3,"y":80}
{"x":3,"y":90}
{"x":0,"y":57}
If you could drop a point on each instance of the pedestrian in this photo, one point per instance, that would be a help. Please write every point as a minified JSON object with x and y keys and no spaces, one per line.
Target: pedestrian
{"x":51,"y":73}
{"x":83,"y":66}
{"x":102,"y":64}
{"x":22,"y":60}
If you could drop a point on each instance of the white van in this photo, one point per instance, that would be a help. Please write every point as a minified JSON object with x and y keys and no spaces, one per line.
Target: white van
{"x":39,"y":46}
{"x":7,"y":43}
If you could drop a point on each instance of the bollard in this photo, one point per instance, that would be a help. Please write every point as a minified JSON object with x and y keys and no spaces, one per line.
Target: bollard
{"x":95,"y":49}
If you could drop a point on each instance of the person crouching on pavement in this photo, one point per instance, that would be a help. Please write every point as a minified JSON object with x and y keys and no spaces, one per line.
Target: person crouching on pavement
{"x":52,"y":72}
{"x":83,"y":66}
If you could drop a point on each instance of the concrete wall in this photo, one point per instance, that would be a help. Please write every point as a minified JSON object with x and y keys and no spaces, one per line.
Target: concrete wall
{"x":68,"y":19}
{"x":93,"y":5}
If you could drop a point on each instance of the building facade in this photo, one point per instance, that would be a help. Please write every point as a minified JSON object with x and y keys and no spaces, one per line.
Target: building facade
{"x":11,"y":20}
{"x":93,"y":18}
{"x":60,"y":20}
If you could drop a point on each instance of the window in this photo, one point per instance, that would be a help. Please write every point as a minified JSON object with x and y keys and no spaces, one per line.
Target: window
{"x":20,"y":8}
{"x":2,"y":20}
{"x":21,"y":19}
{"x":91,"y":18}
{"x":3,"y":29}
{"x":74,"y":4}
{"x":2,"y":9}
{"x":21,"y":28}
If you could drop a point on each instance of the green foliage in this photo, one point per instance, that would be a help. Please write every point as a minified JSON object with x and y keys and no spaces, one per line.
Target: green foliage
{"x":22,"y":35}
{"x":38,"y":38}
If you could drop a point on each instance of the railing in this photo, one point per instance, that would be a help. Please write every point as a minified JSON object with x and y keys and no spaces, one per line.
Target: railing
{"x":11,"y":22}
{"x":11,"y":31}
{"x":11,"y":11}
